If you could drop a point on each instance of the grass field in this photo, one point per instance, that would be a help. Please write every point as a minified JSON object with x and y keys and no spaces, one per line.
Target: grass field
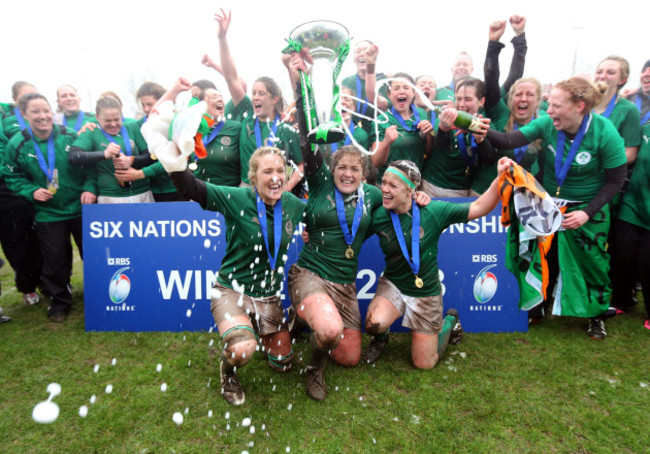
{"x":551,"y":390}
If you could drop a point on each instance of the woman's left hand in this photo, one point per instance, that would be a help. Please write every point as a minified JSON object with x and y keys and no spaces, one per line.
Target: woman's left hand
{"x":422,"y":198}
{"x":88,"y":197}
{"x":575,"y":219}
{"x":425,"y":127}
{"x":122,"y":161}
{"x":503,"y":164}
{"x":480,"y":136}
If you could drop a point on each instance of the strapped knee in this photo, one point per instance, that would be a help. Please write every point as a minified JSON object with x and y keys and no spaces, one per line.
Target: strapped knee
{"x":281,"y":363}
{"x":234,"y":336}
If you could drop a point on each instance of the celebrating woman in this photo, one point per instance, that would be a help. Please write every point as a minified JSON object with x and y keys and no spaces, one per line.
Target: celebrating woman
{"x":36,"y":167}
{"x":410,"y":286}
{"x":583,"y":164}
{"x":113,"y":146}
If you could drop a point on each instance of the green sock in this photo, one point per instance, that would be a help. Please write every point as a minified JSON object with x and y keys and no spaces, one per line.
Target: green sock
{"x":443,"y":337}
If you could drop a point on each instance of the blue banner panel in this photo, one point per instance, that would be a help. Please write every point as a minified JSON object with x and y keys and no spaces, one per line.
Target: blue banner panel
{"x":150,"y":267}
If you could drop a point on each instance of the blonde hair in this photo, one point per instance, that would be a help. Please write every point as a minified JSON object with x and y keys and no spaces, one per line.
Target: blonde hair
{"x":511,"y":94}
{"x":581,"y":90}
{"x":254,"y":162}
{"x":625,"y":68}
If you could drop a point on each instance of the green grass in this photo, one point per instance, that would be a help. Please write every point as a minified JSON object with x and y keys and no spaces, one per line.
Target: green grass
{"x":552,"y":390}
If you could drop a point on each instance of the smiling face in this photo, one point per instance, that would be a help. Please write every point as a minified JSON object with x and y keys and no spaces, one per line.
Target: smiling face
{"x":68,"y":100}
{"x":263,"y":102}
{"x":110,"y":120}
{"x":467,"y":101}
{"x":215,"y":103}
{"x":147,"y":102}
{"x":566,"y":115}
{"x":360,"y":56}
{"x":428,"y":86}
{"x":39,"y":116}
{"x":523,"y":102}
{"x":401,"y":95}
{"x":461,"y":67}
{"x":270,"y":177}
{"x":609,"y":71}
{"x":645,"y":80}
{"x":347,"y":173}
{"x":396,"y":195}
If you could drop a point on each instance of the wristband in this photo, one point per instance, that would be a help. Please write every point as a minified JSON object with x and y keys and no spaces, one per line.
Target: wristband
{"x":370,"y":68}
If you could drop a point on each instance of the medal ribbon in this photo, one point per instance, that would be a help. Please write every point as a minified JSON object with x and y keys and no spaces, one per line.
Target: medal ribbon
{"x":348,"y":140}
{"x":646,"y":117}
{"x":415,"y":238}
{"x":470,"y":160}
{"x":401,"y":121}
{"x":610,"y":107}
{"x":49,"y":166}
{"x":360,"y":95}
{"x":125,"y":137}
{"x":434,"y":118}
{"x":521,"y":151}
{"x":277,"y":227}
{"x":215,"y":132}
{"x":562,"y":168}
{"x":78,"y":122}
{"x":21,"y":120}
{"x":272,"y":132}
{"x":356,"y":220}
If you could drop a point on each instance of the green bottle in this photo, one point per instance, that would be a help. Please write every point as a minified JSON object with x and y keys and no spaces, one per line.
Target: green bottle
{"x":464,"y":120}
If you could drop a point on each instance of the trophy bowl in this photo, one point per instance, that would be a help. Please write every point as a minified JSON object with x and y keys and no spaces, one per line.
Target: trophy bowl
{"x":324,"y":41}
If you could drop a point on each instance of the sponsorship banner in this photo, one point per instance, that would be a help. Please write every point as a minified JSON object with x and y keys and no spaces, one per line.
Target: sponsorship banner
{"x":151,"y":266}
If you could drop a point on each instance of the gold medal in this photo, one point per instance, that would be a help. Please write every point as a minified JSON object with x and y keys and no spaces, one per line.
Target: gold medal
{"x":419,"y":283}
{"x":557,"y":193}
{"x":193,"y":166}
{"x":349,"y":252}
{"x":466,"y":170}
{"x":52,"y":189}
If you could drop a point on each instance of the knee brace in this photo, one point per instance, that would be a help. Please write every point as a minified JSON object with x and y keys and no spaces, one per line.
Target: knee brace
{"x":281,"y":363}
{"x":234,"y":336}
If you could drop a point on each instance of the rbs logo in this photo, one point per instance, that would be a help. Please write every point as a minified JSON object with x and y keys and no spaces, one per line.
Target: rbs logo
{"x":120,"y":261}
{"x":492,"y":258}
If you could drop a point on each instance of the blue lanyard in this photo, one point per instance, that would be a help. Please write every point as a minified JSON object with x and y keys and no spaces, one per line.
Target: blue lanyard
{"x":49,"y":166}
{"x":434,"y":118}
{"x":415,"y":238}
{"x":356,"y":220}
{"x":277,"y":227}
{"x":562,"y":167}
{"x":21,"y":120}
{"x":272,"y":133}
{"x":78,"y":122}
{"x":610,"y":107}
{"x":348,"y":140}
{"x":646,"y":117}
{"x":125,"y":137}
{"x":360,"y":95}
{"x":401,"y":121}
{"x":521,"y":151}
{"x":470,"y":159}
{"x":215,"y":132}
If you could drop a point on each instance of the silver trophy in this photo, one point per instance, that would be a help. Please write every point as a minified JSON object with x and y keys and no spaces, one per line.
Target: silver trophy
{"x":328,"y":45}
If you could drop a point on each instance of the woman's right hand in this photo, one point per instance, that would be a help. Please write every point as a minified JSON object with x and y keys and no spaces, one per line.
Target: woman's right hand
{"x":42,"y":195}
{"x":497,"y":28}
{"x":391,"y":135}
{"x":112,"y":151}
{"x":371,"y":54}
{"x":447,"y":118}
{"x":90,"y":126}
{"x":223,"y":20}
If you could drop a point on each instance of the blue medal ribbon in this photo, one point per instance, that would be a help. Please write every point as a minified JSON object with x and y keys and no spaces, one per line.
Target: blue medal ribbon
{"x":470,"y":160}
{"x":21,"y":121}
{"x":360,"y":95}
{"x":214,"y":133}
{"x":49,"y":166}
{"x":78,"y":122}
{"x":521,"y":151}
{"x":562,"y":167}
{"x":277,"y":227}
{"x":646,"y":117}
{"x":401,"y":121}
{"x":414,"y":263}
{"x":125,"y":137}
{"x":348,"y":139}
{"x":356,"y":220}
{"x":434,"y":118}
{"x":272,"y":133}
{"x":610,"y":107}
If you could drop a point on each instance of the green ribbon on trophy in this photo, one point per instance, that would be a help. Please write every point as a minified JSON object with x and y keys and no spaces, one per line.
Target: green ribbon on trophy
{"x":327,"y":43}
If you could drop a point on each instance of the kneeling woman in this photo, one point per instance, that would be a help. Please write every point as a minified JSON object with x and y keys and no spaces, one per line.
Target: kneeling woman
{"x":260,"y":221}
{"x":410,"y":286}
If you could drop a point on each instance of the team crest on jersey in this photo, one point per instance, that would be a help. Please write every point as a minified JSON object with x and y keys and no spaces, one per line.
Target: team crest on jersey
{"x":226,"y":141}
{"x":421,"y":232}
{"x":288,"y":227}
{"x":583,"y":157}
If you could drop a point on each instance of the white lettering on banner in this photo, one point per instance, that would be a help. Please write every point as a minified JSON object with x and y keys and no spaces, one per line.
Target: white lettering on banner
{"x":486,"y":224}
{"x":108,"y":229}
{"x":486,"y":308}
{"x":121,"y":308}
{"x":182,"y":228}
{"x":175,"y":284}
{"x":364,"y":291}
{"x":480,"y":258}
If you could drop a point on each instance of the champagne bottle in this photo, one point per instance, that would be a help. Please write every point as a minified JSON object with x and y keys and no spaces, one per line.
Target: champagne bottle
{"x":464,"y":120}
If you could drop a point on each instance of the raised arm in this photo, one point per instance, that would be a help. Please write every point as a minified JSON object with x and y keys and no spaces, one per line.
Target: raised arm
{"x":371,"y":79}
{"x":229,"y":70}
{"x":491,"y":65}
{"x":490,"y":198}
{"x":518,"y":62}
